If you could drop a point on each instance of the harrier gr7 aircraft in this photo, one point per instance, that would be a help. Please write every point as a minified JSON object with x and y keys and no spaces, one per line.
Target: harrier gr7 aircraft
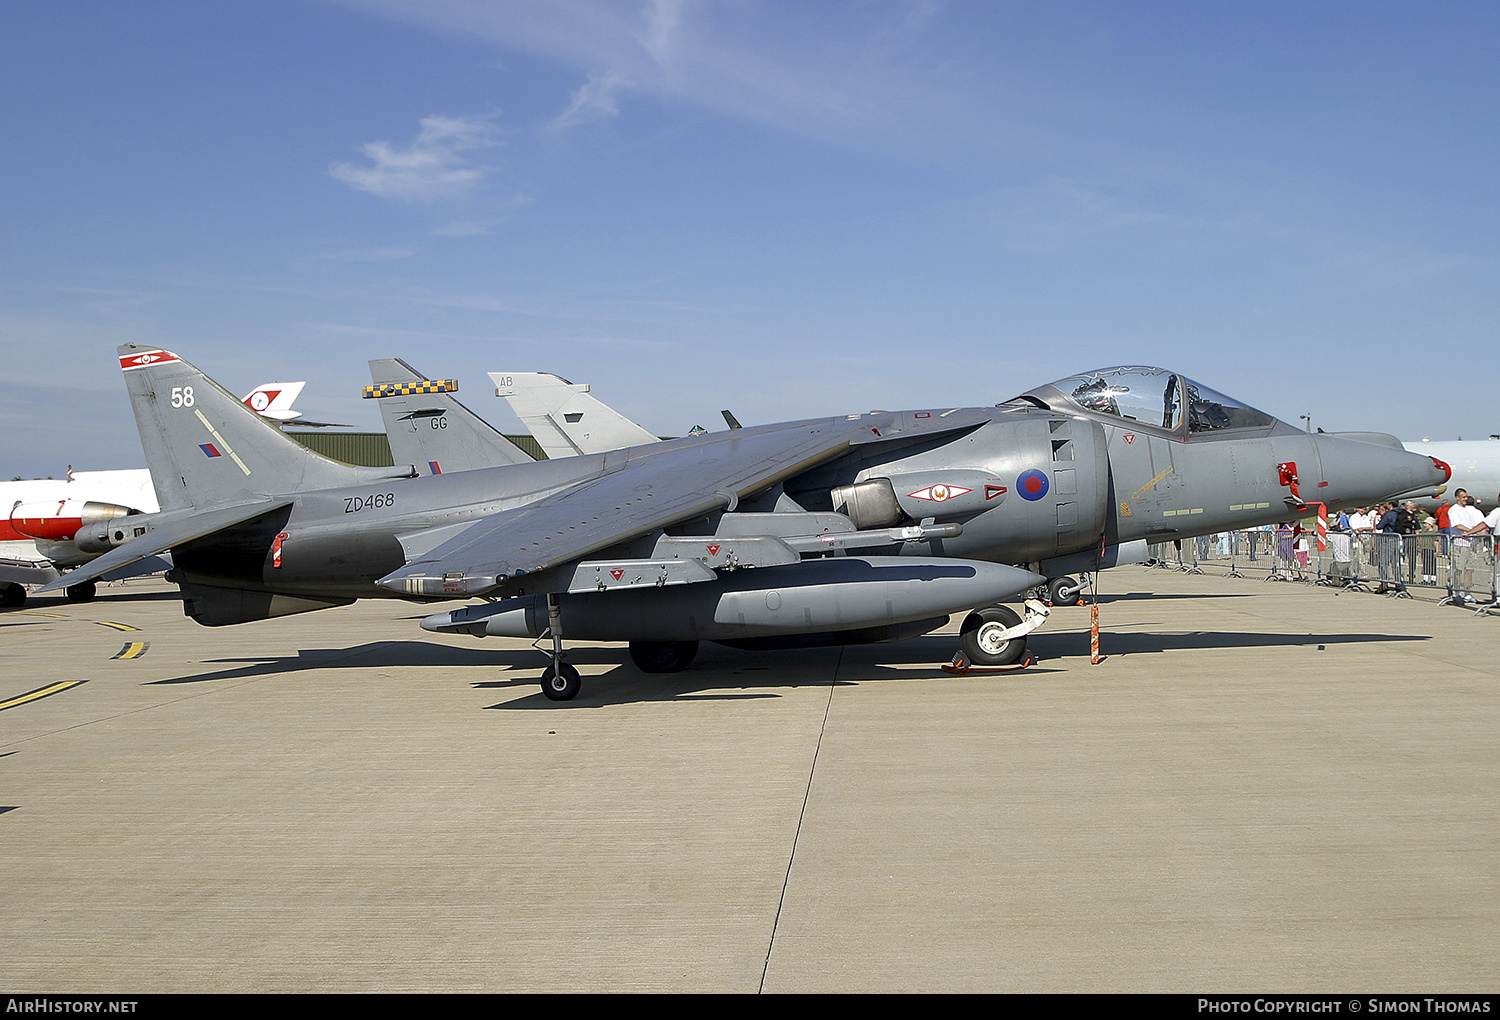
{"x":834,"y":530}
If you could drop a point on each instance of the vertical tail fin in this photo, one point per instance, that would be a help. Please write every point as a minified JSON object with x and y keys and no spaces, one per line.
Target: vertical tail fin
{"x":428,"y":427}
{"x":204,"y":446}
{"x":564,"y":418}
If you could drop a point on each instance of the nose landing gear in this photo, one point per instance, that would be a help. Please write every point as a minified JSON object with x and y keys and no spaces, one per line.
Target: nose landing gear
{"x":996,"y":636}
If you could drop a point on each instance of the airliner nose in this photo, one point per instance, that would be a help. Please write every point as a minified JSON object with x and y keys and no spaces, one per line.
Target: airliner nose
{"x":1373,"y":467}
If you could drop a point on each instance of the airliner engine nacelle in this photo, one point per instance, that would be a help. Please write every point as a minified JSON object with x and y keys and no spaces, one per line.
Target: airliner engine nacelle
{"x":64,"y":528}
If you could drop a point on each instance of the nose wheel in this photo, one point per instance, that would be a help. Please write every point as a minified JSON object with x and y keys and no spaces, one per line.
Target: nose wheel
{"x":996,"y":635}
{"x":988,"y":637}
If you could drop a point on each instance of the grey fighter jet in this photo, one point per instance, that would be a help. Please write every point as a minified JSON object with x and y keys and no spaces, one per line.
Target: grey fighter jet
{"x":835,"y":530}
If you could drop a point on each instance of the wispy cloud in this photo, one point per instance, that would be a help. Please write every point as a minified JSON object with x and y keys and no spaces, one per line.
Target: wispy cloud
{"x":850,"y":72}
{"x":439,"y":163}
{"x":595,"y":99}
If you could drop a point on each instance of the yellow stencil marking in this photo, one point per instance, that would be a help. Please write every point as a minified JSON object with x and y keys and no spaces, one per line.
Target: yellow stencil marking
{"x":220,"y":439}
{"x":1153,"y":481}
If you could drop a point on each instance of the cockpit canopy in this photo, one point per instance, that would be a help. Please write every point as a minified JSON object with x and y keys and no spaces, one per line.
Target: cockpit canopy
{"x":1148,"y":396}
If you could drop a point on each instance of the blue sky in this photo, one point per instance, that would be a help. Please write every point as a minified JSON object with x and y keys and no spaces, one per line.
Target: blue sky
{"x":784,"y":208}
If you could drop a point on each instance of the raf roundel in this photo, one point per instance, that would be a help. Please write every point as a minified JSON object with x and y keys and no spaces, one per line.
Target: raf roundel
{"x":1032,"y":484}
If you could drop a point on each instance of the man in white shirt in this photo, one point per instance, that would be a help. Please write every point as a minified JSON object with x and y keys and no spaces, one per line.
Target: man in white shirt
{"x":1468,"y":552}
{"x":1492,"y":519}
{"x":1361,"y":524}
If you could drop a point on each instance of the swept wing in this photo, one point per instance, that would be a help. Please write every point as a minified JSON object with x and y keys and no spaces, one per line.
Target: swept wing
{"x":655,"y":488}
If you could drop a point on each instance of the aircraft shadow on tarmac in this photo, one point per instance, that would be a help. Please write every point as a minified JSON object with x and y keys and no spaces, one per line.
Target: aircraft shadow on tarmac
{"x":1136,"y":642}
{"x":1139,"y":596}
{"x":106,"y":595}
{"x":718,"y":671}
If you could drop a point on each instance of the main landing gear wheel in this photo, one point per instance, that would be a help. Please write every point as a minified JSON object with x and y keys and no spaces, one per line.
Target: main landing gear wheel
{"x":561,"y":682}
{"x":12,"y":595}
{"x":662,"y":656}
{"x":982,"y":637}
{"x":1064,"y":591}
{"x":81,"y":592}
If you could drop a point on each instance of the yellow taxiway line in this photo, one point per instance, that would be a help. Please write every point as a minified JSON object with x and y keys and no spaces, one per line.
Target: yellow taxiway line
{"x":40,"y":692}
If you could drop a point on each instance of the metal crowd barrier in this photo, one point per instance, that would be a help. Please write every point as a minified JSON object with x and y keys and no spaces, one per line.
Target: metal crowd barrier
{"x":1446,"y":568}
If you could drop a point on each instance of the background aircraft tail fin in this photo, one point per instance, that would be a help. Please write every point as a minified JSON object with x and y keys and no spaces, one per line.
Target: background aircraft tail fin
{"x":428,"y":427}
{"x":564,"y":418}
{"x":205,"y":447}
{"x":274,"y":400}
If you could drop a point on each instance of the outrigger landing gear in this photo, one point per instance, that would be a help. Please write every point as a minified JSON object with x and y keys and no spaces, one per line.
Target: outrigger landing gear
{"x":560,"y":681}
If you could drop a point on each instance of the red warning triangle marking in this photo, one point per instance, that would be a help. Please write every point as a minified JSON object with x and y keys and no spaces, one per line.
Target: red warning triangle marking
{"x":713,"y":550}
{"x":617,"y":574}
{"x":991,"y":491}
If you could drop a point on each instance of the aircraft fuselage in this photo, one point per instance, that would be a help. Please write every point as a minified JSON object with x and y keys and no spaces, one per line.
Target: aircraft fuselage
{"x":1027,"y":485}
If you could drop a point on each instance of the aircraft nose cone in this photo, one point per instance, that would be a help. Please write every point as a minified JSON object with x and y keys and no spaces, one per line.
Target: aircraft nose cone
{"x":1360,"y":471}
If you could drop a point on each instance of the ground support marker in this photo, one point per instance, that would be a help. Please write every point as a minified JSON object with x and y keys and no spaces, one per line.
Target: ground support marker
{"x":961,"y":667}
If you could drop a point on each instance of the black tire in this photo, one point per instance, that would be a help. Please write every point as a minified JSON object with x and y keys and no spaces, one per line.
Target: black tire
{"x":662,"y":656}
{"x":1057,"y":585}
{"x":561,"y":682}
{"x":977,"y":637}
{"x":12,"y":595}
{"x":81,"y":592}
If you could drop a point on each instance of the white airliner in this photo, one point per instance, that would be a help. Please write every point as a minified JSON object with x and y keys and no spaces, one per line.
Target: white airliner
{"x":1475,"y":464}
{"x":39,"y":532}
